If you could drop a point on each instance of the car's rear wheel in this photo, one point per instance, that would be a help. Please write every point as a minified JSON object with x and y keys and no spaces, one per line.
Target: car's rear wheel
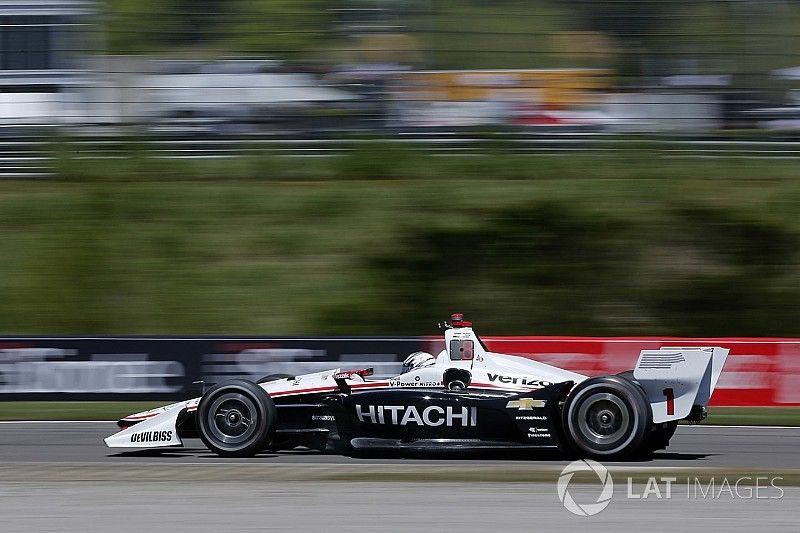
{"x":660,"y":435}
{"x":236,"y":418}
{"x":606,"y":418}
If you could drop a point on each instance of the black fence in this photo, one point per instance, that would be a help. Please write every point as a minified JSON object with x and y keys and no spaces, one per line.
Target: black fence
{"x":150,"y":368}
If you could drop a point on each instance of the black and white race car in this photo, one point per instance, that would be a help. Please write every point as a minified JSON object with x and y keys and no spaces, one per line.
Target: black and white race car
{"x":466,"y":397}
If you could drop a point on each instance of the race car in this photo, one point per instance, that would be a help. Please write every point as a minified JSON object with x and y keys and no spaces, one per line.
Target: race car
{"x":466,"y":397}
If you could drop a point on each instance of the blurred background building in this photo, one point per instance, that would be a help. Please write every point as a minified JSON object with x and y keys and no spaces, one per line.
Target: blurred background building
{"x":44,"y":47}
{"x":213,"y":67}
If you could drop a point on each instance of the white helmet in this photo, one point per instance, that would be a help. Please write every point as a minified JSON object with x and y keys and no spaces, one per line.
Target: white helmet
{"x":418,"y":360}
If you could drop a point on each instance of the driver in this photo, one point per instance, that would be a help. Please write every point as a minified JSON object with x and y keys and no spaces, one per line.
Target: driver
{"x":418,"y":360}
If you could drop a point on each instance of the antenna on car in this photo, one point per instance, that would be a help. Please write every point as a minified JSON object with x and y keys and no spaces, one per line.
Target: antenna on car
{"x":457,"y":321}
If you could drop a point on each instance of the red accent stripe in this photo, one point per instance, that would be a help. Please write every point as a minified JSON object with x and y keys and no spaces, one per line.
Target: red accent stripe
{"x":485,"y":385}
{"x":493,"y":386}
{"x":139,"y":418}
{"x":301,"y":391}
{"x":330,"y":388}
{"x":379,"y":384}
{"x":370,"y":385}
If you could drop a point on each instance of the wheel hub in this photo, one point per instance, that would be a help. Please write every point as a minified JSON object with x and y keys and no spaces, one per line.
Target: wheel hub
{"x":603,"y":418}
{"x":232,"y":418}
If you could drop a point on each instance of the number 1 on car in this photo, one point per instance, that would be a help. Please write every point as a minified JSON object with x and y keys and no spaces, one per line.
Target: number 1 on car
{"x":669,"y":394}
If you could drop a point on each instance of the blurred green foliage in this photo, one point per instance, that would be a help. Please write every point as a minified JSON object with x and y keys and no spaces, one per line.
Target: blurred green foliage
{"x":272,"y":28}
{"x":383,"y":240}
{"x":637,"y":39}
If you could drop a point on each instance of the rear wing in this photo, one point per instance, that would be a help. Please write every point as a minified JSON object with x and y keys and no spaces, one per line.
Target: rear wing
{"x":679,"y":382}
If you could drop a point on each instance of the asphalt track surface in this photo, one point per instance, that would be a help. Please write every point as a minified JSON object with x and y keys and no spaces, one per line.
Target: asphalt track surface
{"x":691,"y":447}
{"x":59,"y":477}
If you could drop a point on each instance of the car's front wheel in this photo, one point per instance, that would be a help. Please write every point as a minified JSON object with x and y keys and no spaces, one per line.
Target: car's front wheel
{"x":607,"y":418}
{"x":236,"y":418}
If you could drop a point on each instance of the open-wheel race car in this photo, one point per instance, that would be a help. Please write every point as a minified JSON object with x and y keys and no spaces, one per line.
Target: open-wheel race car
{"x":466,"y":397}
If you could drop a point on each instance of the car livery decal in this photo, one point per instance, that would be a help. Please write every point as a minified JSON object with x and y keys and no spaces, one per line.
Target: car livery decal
{"x":152,"y":436}
{"x":432,"y":415}
{"x":518,"y":380}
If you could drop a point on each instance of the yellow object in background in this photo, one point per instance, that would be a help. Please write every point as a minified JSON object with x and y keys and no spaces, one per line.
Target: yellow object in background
{"x":554,"y":88}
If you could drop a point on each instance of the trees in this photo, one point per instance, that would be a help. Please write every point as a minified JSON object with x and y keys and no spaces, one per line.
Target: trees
{"x":276,"y":28}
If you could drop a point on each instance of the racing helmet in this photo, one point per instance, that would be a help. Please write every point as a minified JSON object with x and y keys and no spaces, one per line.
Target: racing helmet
{"x":418,"y":360}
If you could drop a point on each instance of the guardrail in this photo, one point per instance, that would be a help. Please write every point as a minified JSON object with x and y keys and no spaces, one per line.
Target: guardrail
{"x":30,"y":157}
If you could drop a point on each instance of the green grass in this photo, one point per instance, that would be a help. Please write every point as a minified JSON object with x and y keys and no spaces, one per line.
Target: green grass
{"x":73,"y":410}
{"x":138,"y":246}
{"x":618,"y":243}
{"x":754,"y":416}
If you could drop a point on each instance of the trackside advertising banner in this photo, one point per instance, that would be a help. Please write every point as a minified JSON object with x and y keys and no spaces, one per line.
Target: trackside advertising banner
{"x":759,"y":372}
{"x":139,"y":368}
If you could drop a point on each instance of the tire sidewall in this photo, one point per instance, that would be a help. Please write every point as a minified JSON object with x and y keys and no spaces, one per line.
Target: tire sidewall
{"x":638,"y":412}
{"x":265,"y":424}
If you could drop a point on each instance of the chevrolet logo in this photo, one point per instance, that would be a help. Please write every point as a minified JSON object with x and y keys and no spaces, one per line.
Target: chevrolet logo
{"x":525,"y":404}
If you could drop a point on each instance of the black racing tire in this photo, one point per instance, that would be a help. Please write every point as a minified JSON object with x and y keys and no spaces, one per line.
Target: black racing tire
{"x":659,"y":437}
{"x":628,"y":374}
{"x":236,"y":418}
{"x":287,"y":443}
{"x":607,"y":418}
{"x":273,"y":377}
